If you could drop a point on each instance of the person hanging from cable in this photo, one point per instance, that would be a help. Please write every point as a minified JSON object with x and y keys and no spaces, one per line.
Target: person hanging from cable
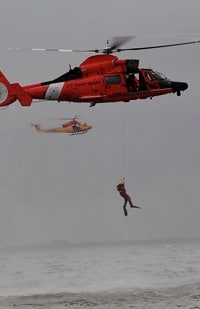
{"x":122,"y":191}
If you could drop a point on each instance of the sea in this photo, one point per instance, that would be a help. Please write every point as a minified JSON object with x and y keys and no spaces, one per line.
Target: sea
{"x":151,"y":274}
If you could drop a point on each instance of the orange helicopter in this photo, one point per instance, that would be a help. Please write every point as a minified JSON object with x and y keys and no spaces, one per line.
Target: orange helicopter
{"x":73,"y":127}
{"x":100,"y":78}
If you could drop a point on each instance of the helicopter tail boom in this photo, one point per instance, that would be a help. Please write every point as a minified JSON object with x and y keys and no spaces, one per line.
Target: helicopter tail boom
{"x":9,"y":93}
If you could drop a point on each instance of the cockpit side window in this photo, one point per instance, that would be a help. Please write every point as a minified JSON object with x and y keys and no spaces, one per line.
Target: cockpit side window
{"x":148,"y":75}
{"x":159,"y":76}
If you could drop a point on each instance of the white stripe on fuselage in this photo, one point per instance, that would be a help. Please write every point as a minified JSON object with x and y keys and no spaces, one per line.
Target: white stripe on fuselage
{"x":53,"y":91}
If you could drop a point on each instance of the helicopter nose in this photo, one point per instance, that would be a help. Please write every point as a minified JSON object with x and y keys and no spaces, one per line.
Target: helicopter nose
{"x":178,"y":87}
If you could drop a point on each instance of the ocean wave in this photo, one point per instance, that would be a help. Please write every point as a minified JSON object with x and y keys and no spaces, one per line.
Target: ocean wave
{"x":185,"y":296}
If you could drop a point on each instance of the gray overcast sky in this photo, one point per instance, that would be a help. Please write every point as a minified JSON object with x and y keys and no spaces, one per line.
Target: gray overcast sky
{"x":62,"y":187}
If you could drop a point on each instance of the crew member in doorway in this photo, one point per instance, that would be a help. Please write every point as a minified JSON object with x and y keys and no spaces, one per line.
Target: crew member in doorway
{"x":122,"y":191}
{"x":132,"y":83}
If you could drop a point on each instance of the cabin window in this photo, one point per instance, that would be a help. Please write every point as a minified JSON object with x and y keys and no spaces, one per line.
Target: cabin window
{"x":113,"y":80}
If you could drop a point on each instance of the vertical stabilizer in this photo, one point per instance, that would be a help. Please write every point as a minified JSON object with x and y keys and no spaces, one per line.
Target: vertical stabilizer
{"x":9,"y":93}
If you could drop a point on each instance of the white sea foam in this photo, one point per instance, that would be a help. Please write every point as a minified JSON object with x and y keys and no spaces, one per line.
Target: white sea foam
{"x":102,"y":275}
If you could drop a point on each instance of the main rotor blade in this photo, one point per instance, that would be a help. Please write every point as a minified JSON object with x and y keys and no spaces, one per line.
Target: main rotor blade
{"x":113,"y":48}
{"x":67,"y":118}
{"x":116,"y":42}
{"x":158,"y":46}
{"x":40,"y":49}
{"x":62,"y":50}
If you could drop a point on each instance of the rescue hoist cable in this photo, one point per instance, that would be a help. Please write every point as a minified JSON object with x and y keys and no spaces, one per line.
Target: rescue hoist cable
{"x":123,"y":142}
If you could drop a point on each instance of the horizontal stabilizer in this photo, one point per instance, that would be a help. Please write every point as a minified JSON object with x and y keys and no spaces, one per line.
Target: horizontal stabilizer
{"x":23,"y":97}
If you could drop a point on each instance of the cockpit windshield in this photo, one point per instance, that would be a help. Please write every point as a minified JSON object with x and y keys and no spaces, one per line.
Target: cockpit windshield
{"x":159,"y":76}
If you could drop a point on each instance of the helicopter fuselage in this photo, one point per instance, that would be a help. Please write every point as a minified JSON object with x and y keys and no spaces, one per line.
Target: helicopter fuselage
{"x":99,"y":79}
{"x":78,"y":128}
